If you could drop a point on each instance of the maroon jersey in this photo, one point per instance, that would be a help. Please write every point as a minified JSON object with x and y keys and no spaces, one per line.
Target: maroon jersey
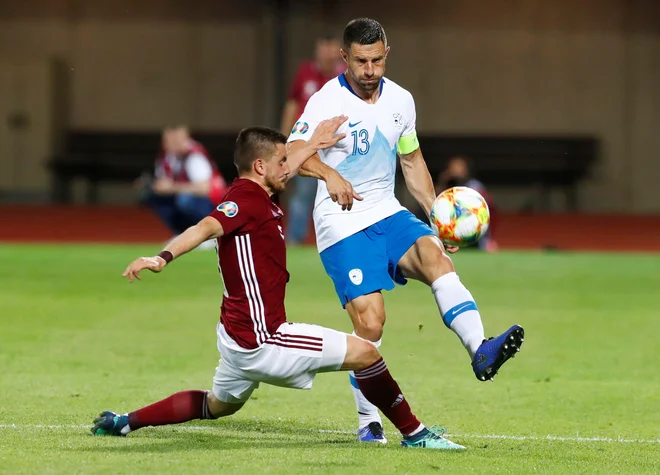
{"x":252,"y":261}
{"x":307,"y":81}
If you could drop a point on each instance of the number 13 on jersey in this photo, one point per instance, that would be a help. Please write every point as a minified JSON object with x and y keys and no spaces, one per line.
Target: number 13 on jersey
{"x":360,"y":142}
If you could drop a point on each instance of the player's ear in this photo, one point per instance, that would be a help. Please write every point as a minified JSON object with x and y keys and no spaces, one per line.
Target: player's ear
{"x":259,"y":167}
{"x":387,"y":51}
{"x":344,"y":55}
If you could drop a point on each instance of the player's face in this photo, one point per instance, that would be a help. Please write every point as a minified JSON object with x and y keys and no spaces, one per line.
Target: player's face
{"x":277,"y":170}
{"x":366,"y":64}
{"x":327,"y":55}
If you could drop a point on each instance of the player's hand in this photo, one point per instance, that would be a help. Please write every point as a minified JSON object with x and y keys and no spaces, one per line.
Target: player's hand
{"x":341,"y":191}
{"x":154,"y":264}
{"x":324,"y":134}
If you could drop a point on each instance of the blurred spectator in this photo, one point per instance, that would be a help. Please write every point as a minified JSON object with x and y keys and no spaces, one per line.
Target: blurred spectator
{"x":458,"y":173}
{"x":311,"y":76}
{"x":186,"y":185}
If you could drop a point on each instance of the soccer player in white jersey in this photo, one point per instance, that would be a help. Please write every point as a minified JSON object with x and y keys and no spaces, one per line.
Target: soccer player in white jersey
{"x":370,"y":244}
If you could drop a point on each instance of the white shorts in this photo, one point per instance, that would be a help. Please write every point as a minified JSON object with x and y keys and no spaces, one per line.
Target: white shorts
{"x":290,"y":358}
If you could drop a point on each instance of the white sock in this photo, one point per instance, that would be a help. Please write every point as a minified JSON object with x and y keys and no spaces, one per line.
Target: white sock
{"x":416,"y":431}
{"x":459,"y":311}
{"x":367,"y":412}
{"x":126,"y":429}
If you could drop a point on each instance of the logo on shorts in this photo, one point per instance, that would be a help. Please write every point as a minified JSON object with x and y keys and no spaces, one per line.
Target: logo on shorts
{"x":300,"y":128}
{"x":356,"y":276}
{"x":229,"y":208}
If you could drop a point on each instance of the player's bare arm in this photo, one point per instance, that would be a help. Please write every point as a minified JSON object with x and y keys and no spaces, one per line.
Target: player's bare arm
{"x":418,"y":179}
{"x":341,"y":191}
{"x":325,"y":136}
{"x":419,"y":183}
{"x":207,"y":228}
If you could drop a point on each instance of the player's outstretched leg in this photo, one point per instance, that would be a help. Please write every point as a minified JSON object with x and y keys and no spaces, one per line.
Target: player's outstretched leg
{"x":181,"y":407}
{"x":378,"y":386}
{"x":426,"y":261}
{"x":370,"y":425}
{"x":367,"y":314}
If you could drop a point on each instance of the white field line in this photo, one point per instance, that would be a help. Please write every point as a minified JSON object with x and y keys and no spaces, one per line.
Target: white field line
{"x":552,"y":438}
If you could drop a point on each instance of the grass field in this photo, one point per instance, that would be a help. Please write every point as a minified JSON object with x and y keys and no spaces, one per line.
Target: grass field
{"x":76,"y":339}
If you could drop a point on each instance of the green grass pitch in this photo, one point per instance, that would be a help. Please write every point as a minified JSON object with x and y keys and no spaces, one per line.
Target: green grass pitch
{"x":75,"y":338}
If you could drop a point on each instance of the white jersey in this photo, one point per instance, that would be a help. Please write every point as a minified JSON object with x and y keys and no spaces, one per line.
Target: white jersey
{"x":366,"y":157}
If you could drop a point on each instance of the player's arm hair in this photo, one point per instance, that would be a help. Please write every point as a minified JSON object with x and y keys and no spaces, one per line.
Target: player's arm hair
{"x":418,"y":179}
{"x":207,"y":228}
{"x":288,"y":116}
{"x":298,"y":153}
{"x":312,"y":167}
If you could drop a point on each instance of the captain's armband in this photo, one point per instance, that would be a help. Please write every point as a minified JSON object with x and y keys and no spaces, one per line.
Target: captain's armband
{"x":408,"y":144}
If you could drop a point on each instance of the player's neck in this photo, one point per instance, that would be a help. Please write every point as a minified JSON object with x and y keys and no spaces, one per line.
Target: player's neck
{"x":370,"y":97}
{"x":258,"y":182}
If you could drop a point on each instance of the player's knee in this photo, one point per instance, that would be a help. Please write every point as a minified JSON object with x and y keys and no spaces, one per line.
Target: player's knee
{"x":218,"y":408}
{"x":368,"y":355}
{"x":370,"y":329}
{"x":440,"y":262}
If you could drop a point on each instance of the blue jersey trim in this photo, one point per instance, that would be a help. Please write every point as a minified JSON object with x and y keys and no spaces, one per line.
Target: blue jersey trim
{"x":344,"y":83}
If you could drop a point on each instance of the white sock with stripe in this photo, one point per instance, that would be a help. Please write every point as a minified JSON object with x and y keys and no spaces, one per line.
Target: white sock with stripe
{"x":367,"y":412}
{"x":459,"y":311}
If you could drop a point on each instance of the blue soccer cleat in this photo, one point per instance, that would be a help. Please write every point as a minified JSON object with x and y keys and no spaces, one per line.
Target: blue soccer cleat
{"x":494,"y":352}
{"x":432,"y":438}
{"x":109,"y":423}
{"x":372,"y":433}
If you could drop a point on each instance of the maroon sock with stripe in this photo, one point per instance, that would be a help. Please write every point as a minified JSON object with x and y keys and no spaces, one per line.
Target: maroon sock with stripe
{"x":381,"y":390}
{"x":181,"y":407}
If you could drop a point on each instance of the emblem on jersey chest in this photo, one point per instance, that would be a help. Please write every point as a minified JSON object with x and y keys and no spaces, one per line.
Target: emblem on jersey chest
{"x":277,"y":211}
{"x":398,"y":120}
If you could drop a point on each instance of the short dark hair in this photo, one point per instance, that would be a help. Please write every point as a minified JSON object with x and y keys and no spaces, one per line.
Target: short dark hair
{"x":364,"y":31}
{"x":253,"y":143}
{"x":327,"y":37}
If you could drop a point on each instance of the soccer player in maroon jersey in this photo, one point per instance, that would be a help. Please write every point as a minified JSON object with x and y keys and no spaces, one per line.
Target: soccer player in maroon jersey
{"x":256,"y":343}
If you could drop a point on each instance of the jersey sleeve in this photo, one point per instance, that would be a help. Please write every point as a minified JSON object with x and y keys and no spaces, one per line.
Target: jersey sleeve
{"x":317,"y":110}
{"x":236,"y":214}
{"x":408,"y":142}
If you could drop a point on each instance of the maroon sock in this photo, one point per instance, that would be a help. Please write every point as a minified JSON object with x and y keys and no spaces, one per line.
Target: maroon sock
{"x":381,"y":390}
{"x":180,"y":407}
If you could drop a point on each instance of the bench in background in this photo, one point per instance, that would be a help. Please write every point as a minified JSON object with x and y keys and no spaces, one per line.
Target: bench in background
{"x":536,"y":163}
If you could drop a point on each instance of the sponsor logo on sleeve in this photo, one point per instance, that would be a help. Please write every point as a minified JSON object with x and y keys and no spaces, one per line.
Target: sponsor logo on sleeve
{"x":229,"y":208}
{"x":300,"y":128}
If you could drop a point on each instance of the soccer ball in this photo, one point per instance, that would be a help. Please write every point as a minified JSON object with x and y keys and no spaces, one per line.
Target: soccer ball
{"x":460,"y":216}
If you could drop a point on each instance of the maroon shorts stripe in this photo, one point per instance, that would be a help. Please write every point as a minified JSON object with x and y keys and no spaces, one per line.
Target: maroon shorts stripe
{"x":312,"y":344}
{"x":306,"y":337}
{"x":287,"y":345}
{"x":298,"y":338}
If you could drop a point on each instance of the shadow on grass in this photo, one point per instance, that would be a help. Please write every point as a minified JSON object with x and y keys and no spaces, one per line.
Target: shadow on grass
{"x":229,"y":434}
